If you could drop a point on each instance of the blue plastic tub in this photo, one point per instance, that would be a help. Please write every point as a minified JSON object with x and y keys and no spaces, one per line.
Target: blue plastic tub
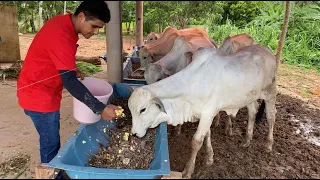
{"x":72,"y":157}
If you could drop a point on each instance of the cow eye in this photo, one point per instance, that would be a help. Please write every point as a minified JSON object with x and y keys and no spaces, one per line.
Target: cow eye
{"x":142,"y":110}
{"x":144,"y":57}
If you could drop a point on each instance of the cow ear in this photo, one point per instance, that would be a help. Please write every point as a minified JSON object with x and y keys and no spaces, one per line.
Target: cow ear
{"x":158,"y":103}
{"x":188,"y":56}
{"x":165,"y":71}
{"x":226,"y":46}
{"x":152,"y":56}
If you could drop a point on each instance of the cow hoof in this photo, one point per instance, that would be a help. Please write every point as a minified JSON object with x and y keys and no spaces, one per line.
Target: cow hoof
{"x":185,"y":174}
{"x":269,"y":148}
{"x":269,"y":145}
{"x":246,"y":144}
{"x":228,"y":132}
{"x":209,"y":162}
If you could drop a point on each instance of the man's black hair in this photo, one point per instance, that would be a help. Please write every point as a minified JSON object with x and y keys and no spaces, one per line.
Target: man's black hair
{"x":94,"y":9}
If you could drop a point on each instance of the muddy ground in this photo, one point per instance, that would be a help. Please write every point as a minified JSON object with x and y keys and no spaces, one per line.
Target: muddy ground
{"x":296,"y":132}
{"x":294,"y":155}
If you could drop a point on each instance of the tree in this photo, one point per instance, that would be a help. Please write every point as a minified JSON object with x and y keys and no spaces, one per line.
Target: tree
{"x":182,"y":12}
{"x":128,"y":13}
{"x":177,"y":13}
{"x":240,"y":12}
{"x":40,"y":23}
{"x":154,"y":14}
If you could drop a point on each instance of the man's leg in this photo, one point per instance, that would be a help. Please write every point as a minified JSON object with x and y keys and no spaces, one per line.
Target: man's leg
{"x":48,"y":127}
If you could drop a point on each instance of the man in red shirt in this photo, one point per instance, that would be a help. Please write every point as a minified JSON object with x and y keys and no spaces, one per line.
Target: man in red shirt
{"x":50,"y":64}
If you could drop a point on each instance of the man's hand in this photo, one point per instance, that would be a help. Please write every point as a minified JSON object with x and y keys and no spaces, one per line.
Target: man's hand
{"x":109,"y":112}
{"x":80,"y":74}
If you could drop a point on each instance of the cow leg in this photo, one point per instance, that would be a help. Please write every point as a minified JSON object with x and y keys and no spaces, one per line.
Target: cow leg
{"x":271,"y":117}
{"x":216,"y":120}
{"x":209,"y":148}
{"x":228,"y":128}
{"x":252,"y":111}
{"x":196,"y":144}
{"x":256,"y":105}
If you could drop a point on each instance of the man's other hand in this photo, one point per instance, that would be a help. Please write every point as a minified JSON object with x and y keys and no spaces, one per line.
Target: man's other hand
{"x":80,"y":74}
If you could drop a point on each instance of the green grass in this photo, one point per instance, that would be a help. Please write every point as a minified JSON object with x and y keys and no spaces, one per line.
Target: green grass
{"x":87,"y":68}
{"x":301,"y":47}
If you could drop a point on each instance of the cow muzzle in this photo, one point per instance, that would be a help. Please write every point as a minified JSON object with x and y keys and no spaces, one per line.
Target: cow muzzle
{"x":139,"y":134}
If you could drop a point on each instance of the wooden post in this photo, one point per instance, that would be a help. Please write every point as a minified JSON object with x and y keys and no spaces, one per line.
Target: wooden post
{"x":114,"y":43}
{"x":64,"y":7}
{"x":9,"y":34}
{"x":139,"y":23}
{"x":283,"y":32}
{"x":45,"y":172}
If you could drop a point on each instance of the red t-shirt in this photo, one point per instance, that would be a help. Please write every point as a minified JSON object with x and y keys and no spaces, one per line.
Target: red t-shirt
{"x":39,"y":86}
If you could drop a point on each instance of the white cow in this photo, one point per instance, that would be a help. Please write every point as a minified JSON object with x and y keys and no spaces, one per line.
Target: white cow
{"x":180,"y":56}
{"x":209,"y":84}
{"x":154,"y":51}
{"x":177,"y":59}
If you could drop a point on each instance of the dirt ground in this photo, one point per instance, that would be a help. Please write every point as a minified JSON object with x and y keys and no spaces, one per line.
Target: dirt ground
{"x":295,"y":152}
{"x":296,"y":132}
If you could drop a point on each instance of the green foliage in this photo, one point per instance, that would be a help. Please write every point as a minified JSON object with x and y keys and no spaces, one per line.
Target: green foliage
{"x":240,"y":12}
{"x":128,"y":11}
{"x":128,"y":14}
{"x":302,"y":43}
{"x":177,"y":14}
{"x":88,"y":68}
{"x":155,"y":16}
{"x":261,"y":19}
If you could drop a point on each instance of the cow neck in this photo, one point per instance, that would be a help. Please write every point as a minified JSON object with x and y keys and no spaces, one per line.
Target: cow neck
{"x":170,"y":87}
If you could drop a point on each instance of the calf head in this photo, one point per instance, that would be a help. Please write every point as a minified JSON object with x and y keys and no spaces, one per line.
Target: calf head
{"x":152,"y":37}
{"x":147,"y":111}
{"x":145,"y":57}
{"x":154,"y":72}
